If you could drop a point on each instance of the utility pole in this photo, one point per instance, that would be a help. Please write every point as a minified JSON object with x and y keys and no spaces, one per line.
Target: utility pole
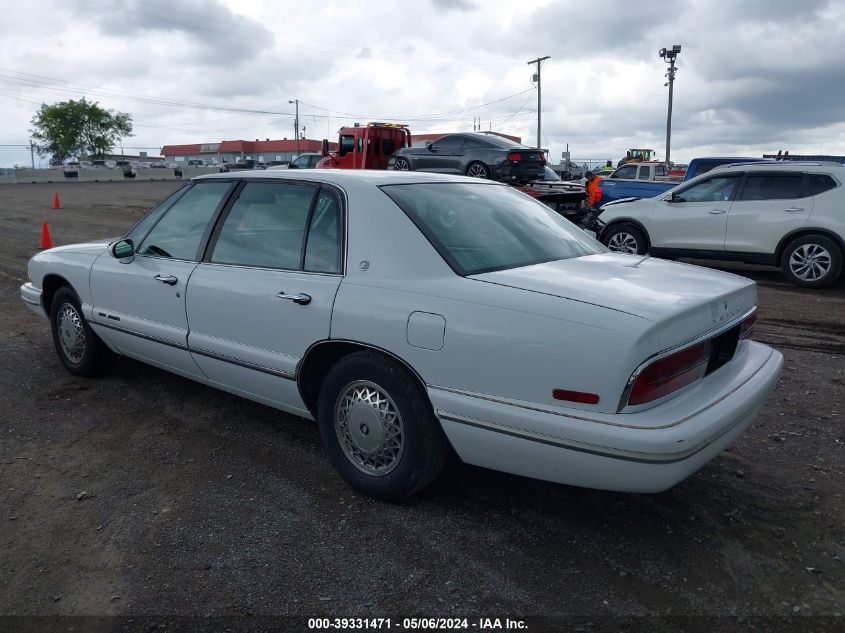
{"x":296,"y":125}
{"x":539,"y":62}
{"x":669,"y":56}
{"x":31,"y":154}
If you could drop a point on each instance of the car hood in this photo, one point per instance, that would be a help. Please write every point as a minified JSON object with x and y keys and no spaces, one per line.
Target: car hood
{"x":685,"y":301}
{"x":87,"y":247}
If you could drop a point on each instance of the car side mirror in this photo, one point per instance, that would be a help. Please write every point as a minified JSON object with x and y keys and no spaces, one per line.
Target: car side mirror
{"x":325,"y":147}
{"x":430,"y":147}
{"x":669,"y":197}
{"x":293,"y":165}
{"x":123,"y":250}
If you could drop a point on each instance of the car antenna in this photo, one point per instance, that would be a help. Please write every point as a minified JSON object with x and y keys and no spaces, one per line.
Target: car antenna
{"x":637,"y":265}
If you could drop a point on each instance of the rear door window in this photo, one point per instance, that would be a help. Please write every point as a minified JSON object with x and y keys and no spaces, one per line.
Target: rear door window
{"x":819,"y":183}
{"x":266,"y":226}
{"x":645,"y":173}
{"x":771,"y":187}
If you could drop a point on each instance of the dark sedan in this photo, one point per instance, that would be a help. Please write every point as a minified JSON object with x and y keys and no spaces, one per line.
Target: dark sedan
{"x":474,"y":154}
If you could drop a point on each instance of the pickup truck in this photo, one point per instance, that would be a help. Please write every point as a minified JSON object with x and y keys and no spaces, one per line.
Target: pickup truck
{"x":646,"y":180}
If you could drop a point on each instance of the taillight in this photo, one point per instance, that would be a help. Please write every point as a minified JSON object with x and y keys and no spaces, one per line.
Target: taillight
{"x":542,"y":157}
{"x":515,"y":156}
{"x":669,"y":374}
{"x":746,"y":328}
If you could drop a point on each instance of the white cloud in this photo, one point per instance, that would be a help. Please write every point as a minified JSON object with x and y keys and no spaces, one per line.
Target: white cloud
{"x":754,"y":75}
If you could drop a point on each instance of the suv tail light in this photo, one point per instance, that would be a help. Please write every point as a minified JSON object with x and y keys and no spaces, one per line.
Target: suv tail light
{"x":515,"y":156}
{"x":669,"y":374}
{"x":542,"y":157}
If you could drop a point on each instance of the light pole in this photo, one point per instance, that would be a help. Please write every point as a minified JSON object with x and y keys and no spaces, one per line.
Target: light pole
{"x":296,"y":125}
{"x":669,"y":56}
{"x":538,"y":61}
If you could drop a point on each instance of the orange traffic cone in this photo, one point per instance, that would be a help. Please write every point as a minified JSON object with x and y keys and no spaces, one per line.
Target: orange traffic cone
{"x":57,"y":204}
{"x":46,"y":240}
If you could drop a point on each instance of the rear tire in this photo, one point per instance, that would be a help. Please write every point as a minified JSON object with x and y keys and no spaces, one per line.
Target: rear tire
{"x":625,"y":238}
{"x":80,"y":350}
{"x":478,"y":170}
{"x":378,"y":427}
{"x":812,"y":261}
{"x":401,"y":164}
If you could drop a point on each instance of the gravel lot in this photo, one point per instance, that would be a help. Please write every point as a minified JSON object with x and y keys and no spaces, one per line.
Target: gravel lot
{"x":142,"y":493}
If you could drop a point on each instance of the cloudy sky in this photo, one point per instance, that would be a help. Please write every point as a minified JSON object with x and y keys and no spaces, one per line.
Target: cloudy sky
{"x":754,"y":75}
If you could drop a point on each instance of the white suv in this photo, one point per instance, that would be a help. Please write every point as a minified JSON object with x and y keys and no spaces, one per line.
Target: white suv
{"x":787,"y":214}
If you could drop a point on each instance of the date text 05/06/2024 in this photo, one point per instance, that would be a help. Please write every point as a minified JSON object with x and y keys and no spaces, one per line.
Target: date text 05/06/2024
{"x":414,"y":624}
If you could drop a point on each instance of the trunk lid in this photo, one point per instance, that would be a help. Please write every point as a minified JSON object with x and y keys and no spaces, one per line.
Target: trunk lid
{"x":684,"y":301}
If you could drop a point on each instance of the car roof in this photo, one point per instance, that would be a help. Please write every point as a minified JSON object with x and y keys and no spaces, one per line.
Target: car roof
{"x":782,"y":165}
{"x":341,"y":177}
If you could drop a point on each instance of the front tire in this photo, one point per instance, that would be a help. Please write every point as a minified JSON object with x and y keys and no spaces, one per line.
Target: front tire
{"x":478,"y":170}
{"x":378,"y":427}
{"x":80,"y":350}
{"x":625,"y":238}
{"x":812,"y":261}
{"x":401,"y":164}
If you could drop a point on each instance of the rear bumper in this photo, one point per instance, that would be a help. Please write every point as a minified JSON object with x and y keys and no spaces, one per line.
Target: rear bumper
{"x":648,"y":451}
{"x":31,"y":296}
{"x":517,"y":171}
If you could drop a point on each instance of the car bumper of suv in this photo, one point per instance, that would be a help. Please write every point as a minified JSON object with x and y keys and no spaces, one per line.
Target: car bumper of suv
{"x":647,"y":451}
{"x":32,"y":298}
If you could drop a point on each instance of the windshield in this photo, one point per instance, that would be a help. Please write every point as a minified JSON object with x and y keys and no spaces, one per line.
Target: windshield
{"x":479,"y":228}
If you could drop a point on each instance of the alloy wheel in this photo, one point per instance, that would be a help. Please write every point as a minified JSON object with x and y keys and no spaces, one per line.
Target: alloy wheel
{"x":477,"y":171}
{"x":401,"y":165}
{"x":623,"y":243}
{"x":810,"y":262}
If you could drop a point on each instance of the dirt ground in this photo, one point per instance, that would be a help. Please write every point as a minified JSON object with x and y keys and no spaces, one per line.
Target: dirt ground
{"x":145,"y":494}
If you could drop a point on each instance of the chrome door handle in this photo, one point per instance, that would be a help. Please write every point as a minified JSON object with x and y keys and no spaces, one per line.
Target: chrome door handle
{"x":794,"y":209}
{"x":718,"y":212}
{"x":302,"y":298}
{"x":170,"y":280}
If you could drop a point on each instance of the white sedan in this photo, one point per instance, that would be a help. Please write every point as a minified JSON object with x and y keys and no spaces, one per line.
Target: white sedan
{"x":412,"y":314}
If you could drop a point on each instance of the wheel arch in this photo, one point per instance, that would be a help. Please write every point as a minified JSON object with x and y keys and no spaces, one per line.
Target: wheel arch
{"x":805,"y":232}
{"x":619,"y":221}
{"x":50,"y":285}
{"x":322,"y":355}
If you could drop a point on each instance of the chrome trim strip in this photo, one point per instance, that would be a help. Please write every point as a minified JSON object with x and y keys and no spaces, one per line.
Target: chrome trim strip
{"x":147,"y":337}
{"x":580,"y":418}
{"x":591,"y":449}
{"x":201,"y":352}
{"x":243,"y":363}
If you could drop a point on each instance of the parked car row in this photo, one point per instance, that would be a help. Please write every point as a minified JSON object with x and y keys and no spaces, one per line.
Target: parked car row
{"x":786,"y":214}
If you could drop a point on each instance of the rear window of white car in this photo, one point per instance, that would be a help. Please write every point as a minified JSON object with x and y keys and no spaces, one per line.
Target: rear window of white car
{"x":480,"y":228}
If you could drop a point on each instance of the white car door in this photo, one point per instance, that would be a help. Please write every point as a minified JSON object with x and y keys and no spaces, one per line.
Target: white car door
{"x":695,"y":218}
{"x":139,"y":303}
{"x":265,"y":291}
{"x":769,"y":206}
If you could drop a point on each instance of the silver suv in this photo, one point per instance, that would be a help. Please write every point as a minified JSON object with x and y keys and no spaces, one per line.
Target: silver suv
{"x":787,"y":214}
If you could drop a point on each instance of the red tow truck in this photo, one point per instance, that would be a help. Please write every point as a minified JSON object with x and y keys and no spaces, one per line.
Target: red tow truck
{"x":370,"y":146}
{"x":365,"y":147}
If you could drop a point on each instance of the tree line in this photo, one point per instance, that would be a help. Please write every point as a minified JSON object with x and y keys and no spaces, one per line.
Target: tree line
{"x":70,"y":128}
